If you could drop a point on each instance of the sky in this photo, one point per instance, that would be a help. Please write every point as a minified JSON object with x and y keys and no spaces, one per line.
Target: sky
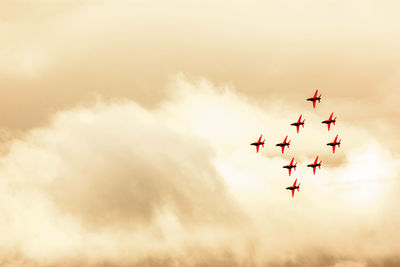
{"x":125,"y":131}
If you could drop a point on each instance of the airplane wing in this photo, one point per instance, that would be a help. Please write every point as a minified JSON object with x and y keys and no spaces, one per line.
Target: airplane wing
{"x":330,"y":117}
{"x":292,"y":192}
{"x":295,"y":181}
{"x":335,"y":139}
{"x":283,"y":149}
{"x":290,"y":171}
{"x":314,"y":169}
{"x":257,"y":147}
{"x":291,"y":162}
{"x":316,"y":93}
{"x":284,"y":141}
{"x":313,"y":103}
{"x":316,"y":160}
{"x":300,"y":118}
{"x":329,"y":126}
{"x":297,"y":127}
{"x":259,"y":139}
{"x":333,"y":149}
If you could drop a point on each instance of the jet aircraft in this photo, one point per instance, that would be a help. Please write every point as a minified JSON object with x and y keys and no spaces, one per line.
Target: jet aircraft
{"x":315,"y":165}
{"x":334,"y":143}
{"x":290,"y":166}
{"x":315,"y":98}
{"x":258,"y":143}
{"x":283,"y":144}
{"x":294,"y":187}
{"x":298,"y":123}
{"x":329,"y":121}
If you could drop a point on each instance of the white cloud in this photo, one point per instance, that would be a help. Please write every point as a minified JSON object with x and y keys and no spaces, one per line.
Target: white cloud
{"x":180,"y":185}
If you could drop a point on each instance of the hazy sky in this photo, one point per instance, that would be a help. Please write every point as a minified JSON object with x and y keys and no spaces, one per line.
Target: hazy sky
{"x":125,"y":129}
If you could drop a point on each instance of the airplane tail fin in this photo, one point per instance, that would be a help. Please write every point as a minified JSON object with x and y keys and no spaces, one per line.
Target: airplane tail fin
{"x":339,"y":142}
{"x":334,"y":121}
{"x":319,"y":100}
{"x":320,"y":164}
{"x":298,"y":189}
{"x":263,"y":143}
{"x":303,"y":123}
{"x":289,"y":143}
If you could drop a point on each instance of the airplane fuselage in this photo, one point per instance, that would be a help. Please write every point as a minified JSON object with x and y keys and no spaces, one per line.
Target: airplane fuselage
{"x":329,"y":121}
{"x":314,"y":165}
{"x":297,"y":123}
{"x":289,"y":166}
{"x":257,"y":144}
{"x":313,"y":99}
{"x":282,"y":144}
{"x":292,"y":187}
{"x":333,"y":144}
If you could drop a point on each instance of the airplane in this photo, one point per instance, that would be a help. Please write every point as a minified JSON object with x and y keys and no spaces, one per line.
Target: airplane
{"x":298,"y":123}
{"x":258,"y":143}
{"x":315,"y":165}
{"x":294,"y":187}
{"x":329,"y":121}
{"x":283,"y":144}
{"x":290,"y":166}
{"x":334,"y":143}
{"x":315,"y":98}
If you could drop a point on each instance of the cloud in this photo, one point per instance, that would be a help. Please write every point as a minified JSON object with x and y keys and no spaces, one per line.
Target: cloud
{"x":55,"y":55}
{"x":142,"y":167}
{"x":116,"y":184}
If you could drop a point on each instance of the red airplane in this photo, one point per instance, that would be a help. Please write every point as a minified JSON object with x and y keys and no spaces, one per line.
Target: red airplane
{"x":329,"y":121}
{"x":334,"y":143}
{"x":283,"y":144}
{"x":290,"y":166}
{"x":315,"y":98}
{"x":294,"y":187}
{"x":258,"y":143}
{"x":315,"y":165}
{"x":298,"y":123}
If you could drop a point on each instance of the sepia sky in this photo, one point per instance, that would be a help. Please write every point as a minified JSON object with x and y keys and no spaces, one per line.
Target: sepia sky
{"x":125,"y":129}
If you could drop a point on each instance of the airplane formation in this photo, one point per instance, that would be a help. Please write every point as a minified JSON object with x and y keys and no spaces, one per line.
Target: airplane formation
{"x":285,"y":143}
